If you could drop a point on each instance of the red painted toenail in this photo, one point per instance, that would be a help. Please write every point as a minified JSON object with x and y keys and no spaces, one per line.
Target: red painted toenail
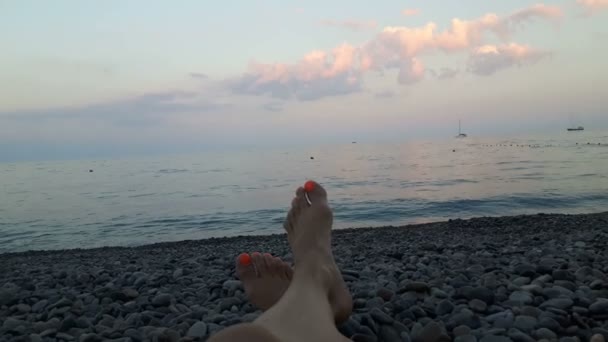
{"x":309,"y":186}
{"x":244,"y":259}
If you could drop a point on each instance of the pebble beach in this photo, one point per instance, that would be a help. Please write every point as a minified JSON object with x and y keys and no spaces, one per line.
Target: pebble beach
{"x":524,"y":278}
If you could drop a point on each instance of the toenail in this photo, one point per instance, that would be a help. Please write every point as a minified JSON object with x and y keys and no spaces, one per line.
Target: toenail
{"x":255,"y":254}
{"x":309,"y":186}
{"x":244,"y":259}
{"x":268,"y":255}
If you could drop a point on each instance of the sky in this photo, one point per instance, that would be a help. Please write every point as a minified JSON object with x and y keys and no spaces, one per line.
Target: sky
{"x":84,"y":78}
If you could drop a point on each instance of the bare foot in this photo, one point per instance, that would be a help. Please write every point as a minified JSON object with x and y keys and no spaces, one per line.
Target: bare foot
{"x":309,"y":233}
{"x":265,"y":278}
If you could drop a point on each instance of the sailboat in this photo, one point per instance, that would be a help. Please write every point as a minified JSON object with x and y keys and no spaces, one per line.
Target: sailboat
{"x":460,"y":134}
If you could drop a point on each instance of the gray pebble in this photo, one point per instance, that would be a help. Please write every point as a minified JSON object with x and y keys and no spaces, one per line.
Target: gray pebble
{"x":465,"y":338}
{"x":389,"y":334}
{"x":519,"y":336}
{"x":198,"y":329}
{"x":494,"y":338}
{"x":525,"y":323}
{"x":381,"y":316}
{"x":544,"y":333}
{"x":478,"y":305}
{"x":163,"y":299}
{"x":560,"y":303}
{"x":523,"y":297}
{"x":600,"y":306}
{"x":461,"y":330}
{"x":444,"y":307}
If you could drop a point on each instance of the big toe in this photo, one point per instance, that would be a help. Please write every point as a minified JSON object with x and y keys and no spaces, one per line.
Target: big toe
{"x":315,"y":191}
{"x":244,"y":267}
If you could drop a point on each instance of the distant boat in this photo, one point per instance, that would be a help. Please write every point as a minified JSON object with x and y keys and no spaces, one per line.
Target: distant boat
{"x":460,"y":134}
{"x":575,"y":126}
{"x":573,"y":129}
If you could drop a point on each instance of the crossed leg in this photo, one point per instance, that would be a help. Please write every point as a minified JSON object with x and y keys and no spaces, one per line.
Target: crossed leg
{"x":317,"y":296}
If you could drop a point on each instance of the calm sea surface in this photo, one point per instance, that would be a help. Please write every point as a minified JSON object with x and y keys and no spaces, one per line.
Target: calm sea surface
{"x":124,"y":202}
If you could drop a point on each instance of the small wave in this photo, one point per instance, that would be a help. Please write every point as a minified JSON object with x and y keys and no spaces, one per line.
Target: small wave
{"x":143,"y":195}
{"x":172,"y":170}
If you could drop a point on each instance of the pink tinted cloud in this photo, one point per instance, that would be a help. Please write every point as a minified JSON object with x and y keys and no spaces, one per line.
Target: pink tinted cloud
{"x":409,"y":12}
{"x":488,"y":59}
{"x":351,"y":24}
{"x":593,"y":6}
{"x":339,"y":71}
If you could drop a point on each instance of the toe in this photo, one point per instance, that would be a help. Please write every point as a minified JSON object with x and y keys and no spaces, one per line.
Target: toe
{"x":258,"y":262}
{"x":317,"y":193}
{"x":244,"y":267}
{"x":300,"y":200}
{"x":269,"y":263}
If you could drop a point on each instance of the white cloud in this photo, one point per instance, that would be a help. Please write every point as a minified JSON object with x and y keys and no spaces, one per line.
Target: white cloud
{"x":488,"y":59}
{"x":340,"y":71}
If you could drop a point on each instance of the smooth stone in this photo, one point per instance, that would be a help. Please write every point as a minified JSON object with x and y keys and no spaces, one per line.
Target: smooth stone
{"x":21,"y":308}
{"x":385,"y":294}
{"x":600,"y":306}
{"x":12,"y":323}
{"x":130,"y":293}
{"x":178,"y":273}
{"x":375,"y":302}
{"x":519,"y":336}
{"x":465,"y":338}
{"x":478,"y":305}
{"x":563,"y":275}
{"x":461,"y":330}
{"x":64,"y":336}
{"x":90,"y":337}
{"x":549,"y":323}
{"x":544,"y":333}
{"x":444,"y":307}
{"x":429,"y":333}
{"x":521,"y":281}
{"x":521,"y":297}
{"x":482,"y":293}
{"x":198,"y":329}
{"x":227,"y":303}
{"x":525,"y":270}
{"x":597,"y":338}
{"x":560,"y":303}
{"x":40,"y":305}
{"x":389,"y":334}
{"x":381,"y":316}
{"x":35,"y":338}
{"x":163,"y":299}
{"x":525,"y":323}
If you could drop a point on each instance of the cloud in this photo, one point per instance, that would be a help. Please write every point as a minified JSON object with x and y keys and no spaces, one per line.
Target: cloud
{"x":385,"y":94}
{"x":355,"y":25}
{"x":408,"y":12}
{"x":410,"y":71}
{"x":593,"y":6}
{"x":317,"y":75}
{"x":447,"y":73}
{"x":143,"y":110}
{"x":340,"y":71}
{"x":199,"y":75}
{"x":488,"y":59}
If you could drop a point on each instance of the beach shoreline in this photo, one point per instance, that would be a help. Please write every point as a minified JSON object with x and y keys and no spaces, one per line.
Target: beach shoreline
{"x":534,"y":276}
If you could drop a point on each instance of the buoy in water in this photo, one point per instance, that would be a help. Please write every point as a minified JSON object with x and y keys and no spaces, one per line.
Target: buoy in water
{"x":91,"y":170}
{"x":311,"y":157}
